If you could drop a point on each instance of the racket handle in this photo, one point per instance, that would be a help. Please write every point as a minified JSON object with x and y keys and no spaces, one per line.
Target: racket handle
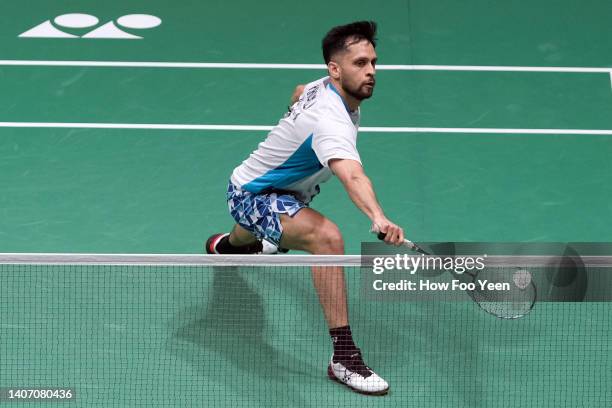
{"x":381,"y":235}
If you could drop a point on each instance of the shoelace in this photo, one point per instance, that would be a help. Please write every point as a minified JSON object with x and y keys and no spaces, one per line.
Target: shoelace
{"x":355,"y":364}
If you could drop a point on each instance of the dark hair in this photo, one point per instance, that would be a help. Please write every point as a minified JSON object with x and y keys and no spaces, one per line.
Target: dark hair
{"x":336,"y":39}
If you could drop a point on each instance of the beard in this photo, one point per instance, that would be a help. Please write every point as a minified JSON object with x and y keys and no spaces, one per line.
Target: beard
{"x":359,"y":92}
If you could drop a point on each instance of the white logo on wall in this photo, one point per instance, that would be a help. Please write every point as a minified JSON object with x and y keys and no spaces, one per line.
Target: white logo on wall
{"x":55,"y":29}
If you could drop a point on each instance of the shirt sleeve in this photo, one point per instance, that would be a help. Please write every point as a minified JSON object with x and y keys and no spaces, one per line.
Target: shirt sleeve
{"x":334,"y":139}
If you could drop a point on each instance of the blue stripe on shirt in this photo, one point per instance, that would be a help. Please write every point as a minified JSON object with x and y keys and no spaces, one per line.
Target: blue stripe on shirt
{"x":301,"y":164}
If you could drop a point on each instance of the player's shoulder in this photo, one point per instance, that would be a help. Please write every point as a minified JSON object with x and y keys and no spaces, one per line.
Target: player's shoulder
{"x":320,"y":106}
{"x":313,"y":95}
{"x":320,"y":83}
{"x":318,"y":98}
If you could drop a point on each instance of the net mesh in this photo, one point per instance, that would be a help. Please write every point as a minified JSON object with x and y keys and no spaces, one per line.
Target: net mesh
{"x":249,"y":336}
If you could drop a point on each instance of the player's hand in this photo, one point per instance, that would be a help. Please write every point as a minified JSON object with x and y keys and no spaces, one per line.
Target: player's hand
{"x":394,"y":234}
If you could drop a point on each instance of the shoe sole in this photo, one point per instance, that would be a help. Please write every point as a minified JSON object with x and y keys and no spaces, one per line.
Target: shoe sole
{"x":330,"y":374}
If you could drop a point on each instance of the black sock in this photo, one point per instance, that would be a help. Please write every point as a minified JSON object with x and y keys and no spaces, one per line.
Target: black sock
{"x":224,"y":247}
{"x":343,"y":342}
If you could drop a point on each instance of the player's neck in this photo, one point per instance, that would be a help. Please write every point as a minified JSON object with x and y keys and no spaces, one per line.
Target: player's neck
{"x":350,"y":101}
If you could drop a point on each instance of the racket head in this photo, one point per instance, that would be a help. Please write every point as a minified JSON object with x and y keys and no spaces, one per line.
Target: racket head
{"x":514,"y":303}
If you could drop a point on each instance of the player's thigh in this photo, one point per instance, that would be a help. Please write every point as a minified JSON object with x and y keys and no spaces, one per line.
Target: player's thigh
{"x":311,"y":231}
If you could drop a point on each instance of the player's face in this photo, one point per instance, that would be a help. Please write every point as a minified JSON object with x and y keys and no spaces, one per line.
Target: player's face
{"x":358,"y":70}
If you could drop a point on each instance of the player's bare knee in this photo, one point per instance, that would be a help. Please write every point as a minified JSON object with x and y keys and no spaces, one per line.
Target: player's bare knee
{"x":329,"y":239}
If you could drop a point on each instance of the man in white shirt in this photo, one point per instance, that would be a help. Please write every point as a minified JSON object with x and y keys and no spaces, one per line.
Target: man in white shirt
{"x":269,"y":193}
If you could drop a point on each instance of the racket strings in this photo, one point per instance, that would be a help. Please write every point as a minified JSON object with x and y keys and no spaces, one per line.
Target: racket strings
{"x":506,"y":292}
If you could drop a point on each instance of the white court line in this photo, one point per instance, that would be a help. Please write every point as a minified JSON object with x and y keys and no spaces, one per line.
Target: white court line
{"x":146,"y":126}
{"x":212,"y":65}
{"x":162,"y":126}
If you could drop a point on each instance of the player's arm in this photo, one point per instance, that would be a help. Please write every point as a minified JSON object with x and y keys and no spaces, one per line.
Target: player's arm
{"x":361,"y":192}
{"x":296,"y":94}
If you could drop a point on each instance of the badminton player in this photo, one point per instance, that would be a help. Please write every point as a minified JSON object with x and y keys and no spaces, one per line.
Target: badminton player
{"x":269,"y":194}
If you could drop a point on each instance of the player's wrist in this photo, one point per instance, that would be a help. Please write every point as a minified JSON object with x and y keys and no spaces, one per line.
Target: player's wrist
{"x":379,"y":220}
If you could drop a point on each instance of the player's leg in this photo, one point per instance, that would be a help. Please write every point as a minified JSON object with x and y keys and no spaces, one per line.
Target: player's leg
{"x":310,"y":231}
{"x":240,"y":241}
{"x":220,"y":243}
{"x":283,"y":220}
{"x":243,"y":238}
{"x":249,"y":210}
{"x":240,"y":236}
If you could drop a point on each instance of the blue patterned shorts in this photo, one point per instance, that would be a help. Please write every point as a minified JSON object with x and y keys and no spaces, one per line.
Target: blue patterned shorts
{"x":259,"y":213}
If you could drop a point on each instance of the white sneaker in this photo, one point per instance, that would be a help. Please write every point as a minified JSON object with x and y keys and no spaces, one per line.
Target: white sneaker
{"x":269,"y":248}
{"x":353,"y":373}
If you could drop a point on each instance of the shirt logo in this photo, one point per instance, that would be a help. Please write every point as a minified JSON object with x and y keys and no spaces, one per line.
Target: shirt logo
{"x":311,"y":95}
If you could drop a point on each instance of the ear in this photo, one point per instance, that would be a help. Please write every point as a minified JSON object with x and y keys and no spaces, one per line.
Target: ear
{"x":334,"y":70}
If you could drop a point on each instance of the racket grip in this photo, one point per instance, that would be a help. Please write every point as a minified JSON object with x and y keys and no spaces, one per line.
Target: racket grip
{"x":381,"y":235}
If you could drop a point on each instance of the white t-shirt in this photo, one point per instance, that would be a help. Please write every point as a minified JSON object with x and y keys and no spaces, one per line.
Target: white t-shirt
{"x":294,"y":156}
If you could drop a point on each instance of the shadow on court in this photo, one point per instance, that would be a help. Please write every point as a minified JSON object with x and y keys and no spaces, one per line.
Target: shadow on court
{"x":227,"y":343}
